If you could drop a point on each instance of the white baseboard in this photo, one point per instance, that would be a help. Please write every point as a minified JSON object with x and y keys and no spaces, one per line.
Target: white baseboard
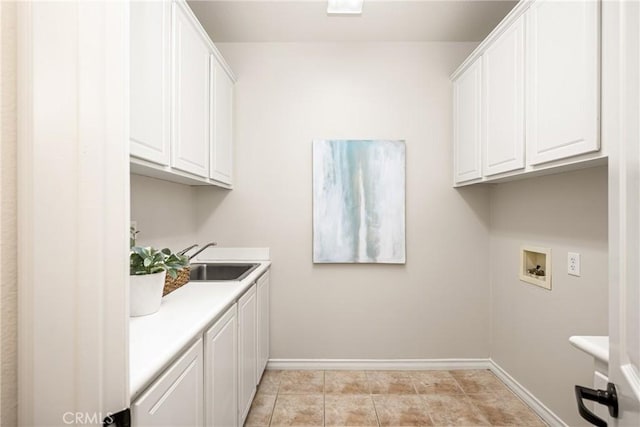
{"x":423,"y":364}
{"x":540,"y":408}
{"x":379,"y":364}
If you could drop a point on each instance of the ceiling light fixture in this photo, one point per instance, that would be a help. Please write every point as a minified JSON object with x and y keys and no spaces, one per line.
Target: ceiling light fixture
{"x":344,"y":7}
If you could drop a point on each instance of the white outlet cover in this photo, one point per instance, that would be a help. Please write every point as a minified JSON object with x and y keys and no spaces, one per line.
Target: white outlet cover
{"x":573,"y":264}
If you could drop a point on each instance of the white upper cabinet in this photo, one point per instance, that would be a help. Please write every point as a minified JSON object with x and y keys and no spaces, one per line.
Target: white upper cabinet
{"x":190,"y":142}
{"x":537,"y":108}
{"x":563,"y":79}
{"x":503,"y":102}
{"x":181,"y":97}
{"x":467,"y":122}
{"x":222,"y":124}
{"x":150,"y":81}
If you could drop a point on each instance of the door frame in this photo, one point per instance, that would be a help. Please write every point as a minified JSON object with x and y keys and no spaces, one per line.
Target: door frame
{"x":73,"y":204}
{"x":621,"y":130}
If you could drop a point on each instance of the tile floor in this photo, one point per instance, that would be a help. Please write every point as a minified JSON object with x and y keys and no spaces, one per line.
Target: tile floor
{"x":387,"y":398}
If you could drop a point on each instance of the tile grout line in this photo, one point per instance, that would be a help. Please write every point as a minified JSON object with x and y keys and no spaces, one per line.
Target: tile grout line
{"x":518,"y":397}
{"x":422,"y":400}
{"x":273,"y":408}
{"x":467,"y":395}
{"x":472,"y":402}
{"x":324,"y":399}
{"x":373,"y":402}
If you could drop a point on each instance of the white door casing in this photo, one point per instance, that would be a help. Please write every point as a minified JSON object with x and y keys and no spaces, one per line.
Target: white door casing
{"x":621,"y":127}
{"x":73,"y":199}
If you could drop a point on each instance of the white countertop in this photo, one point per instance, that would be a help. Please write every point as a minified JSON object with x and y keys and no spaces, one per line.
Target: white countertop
{"x":155,"y":340}
{"x":595,"y":346}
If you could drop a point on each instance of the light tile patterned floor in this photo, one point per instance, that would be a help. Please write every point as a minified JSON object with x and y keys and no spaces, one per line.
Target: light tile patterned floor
{"x":387,"y":398}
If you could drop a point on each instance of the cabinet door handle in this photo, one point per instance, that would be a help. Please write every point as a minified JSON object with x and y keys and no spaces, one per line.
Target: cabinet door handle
{"x":608,"y":397}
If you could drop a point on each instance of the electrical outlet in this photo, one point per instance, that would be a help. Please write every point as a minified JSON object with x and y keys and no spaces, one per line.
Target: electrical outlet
{"x":573,"y":264}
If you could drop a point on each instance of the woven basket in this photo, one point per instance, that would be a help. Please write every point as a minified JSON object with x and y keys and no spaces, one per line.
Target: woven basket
{"x":171,"y":284}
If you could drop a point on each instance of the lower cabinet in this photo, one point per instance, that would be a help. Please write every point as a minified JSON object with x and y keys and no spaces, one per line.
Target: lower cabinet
{"x":263,"y":290}
{"x":221,"y":371}
{"x":247,"y":351}
{"x":213,"y":383}
{"x":175,"y":398}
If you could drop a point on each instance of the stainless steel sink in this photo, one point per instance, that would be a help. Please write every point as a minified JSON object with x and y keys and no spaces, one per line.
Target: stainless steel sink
{"x":220,"y":271}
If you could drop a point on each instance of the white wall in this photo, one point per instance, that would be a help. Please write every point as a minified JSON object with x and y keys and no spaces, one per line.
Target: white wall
{"x":531,"y":325}
{"x":164,"y":212}
{"x":435,"y":306}
{"x":8,"y":227}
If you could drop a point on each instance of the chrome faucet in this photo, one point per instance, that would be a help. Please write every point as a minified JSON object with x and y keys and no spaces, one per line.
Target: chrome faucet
{"x":184,"y":251}
{"x":208,"y":245}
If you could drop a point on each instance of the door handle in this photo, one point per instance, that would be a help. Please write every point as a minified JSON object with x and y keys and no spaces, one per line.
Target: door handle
{"x":608,"y":397}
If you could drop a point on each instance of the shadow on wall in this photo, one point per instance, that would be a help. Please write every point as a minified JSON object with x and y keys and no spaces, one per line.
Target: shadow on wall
{"x":476,"y":197}
{"x":544,"y":206}
{"x":208,"y":200}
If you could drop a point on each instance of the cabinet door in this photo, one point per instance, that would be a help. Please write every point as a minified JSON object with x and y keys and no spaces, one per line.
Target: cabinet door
{"x":563,"y":89}
{"x":263,"y":324}
{"x":222,"y":123}
{"x":150,"y":82}
{"x":466,"y":124}
{"x":221,"y":371}
{"x":247,"y":351}
{"x":174,"y":399}
{"x":190,"y":143}
{"x":503,"y":102}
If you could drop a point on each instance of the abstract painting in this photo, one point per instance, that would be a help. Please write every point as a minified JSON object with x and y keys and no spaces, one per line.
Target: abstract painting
{"x":358,"y":201}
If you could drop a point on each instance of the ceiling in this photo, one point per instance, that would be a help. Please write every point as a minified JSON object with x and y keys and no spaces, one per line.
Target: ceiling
{"x":381,"y":20}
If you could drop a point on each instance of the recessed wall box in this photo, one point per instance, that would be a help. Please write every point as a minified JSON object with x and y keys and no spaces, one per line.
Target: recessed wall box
{"x":535,"y":266}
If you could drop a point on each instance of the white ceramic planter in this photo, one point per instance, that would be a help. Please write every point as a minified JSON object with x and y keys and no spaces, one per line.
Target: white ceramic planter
{"x":145,"y":293}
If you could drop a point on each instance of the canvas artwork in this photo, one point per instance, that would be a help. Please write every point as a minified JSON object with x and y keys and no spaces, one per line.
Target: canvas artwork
{"x":358,"y":201}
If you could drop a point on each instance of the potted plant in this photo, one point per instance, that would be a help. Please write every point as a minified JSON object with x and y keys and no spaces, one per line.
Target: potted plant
{"x":148,"y":268}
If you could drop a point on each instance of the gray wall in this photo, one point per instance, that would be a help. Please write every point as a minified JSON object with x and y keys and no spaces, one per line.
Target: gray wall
{"x":289,"y":94}
{"x":531,"y":325}
{"x":459,"y":295}
{"x":164,"y":212}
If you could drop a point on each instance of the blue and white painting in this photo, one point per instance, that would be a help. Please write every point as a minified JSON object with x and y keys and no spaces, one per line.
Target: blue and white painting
{"x":358,"y":201}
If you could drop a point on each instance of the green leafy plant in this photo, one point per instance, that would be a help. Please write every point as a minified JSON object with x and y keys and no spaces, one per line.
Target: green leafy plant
{"x":147,"y":260}
{"x":132,"y":236}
